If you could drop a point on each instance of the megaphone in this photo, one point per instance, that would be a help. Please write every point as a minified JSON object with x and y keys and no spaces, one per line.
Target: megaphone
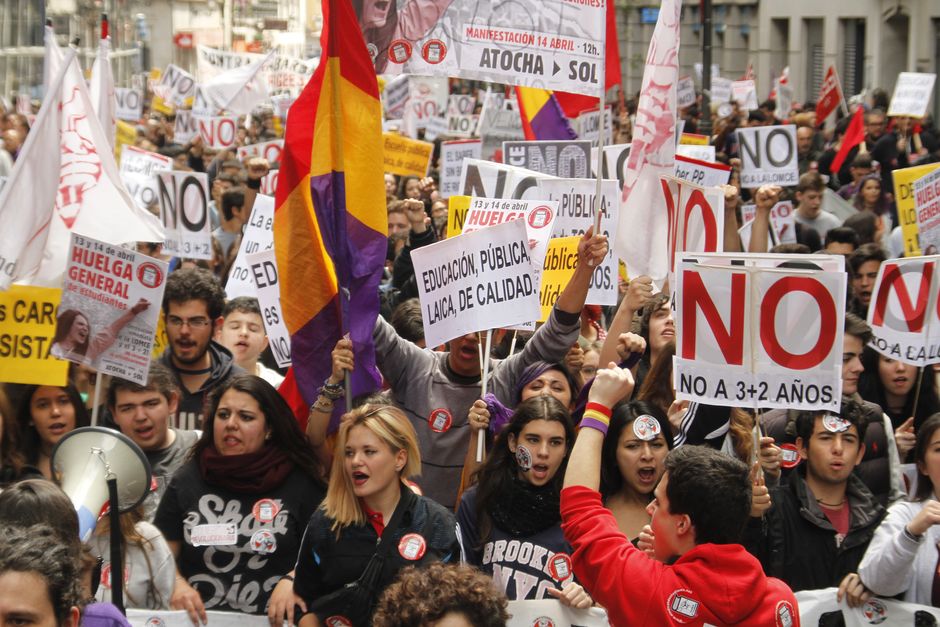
{"x":86,"y":458}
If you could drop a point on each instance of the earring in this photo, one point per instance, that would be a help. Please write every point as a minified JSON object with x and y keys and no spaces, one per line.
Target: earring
{"x":267,"y":436}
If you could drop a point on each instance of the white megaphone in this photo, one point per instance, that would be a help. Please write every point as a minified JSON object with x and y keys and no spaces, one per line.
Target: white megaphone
{"x":86,"y":458}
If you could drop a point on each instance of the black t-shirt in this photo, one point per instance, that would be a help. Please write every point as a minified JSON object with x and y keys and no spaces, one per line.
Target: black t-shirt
{"x":253,"y":539}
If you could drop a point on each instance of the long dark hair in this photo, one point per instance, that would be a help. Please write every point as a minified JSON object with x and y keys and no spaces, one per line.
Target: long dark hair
{"x":64,"y":326}
{"x":11,"y":455}
{"x":657,"y":385}
{"x":498,"y":471}
{"x":285,"y":433}
{"x":925,"y":487}
{"x":872,"y":390}
{"x":624,"y":414}
{"x":29,"y":437}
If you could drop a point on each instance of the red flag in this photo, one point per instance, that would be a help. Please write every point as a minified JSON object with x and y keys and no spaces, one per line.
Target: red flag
{"x":574,"y":104}
{"x":854,"y":135}
{"x":830,"y":95}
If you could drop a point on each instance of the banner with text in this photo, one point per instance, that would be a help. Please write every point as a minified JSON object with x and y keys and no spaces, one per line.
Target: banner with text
{"x":912,"y":94}
{"x":907,"y":204}
{"x":26,"y":335}
{"x":139,"y":174}
{"x":452,"y":155}
{"x":406,"y":157}
{"x":258,"y":236}
{"x":184,"y":210}
{"x":263,"y":269}
{"x":927,"y":205}
{"x":768,"y":156}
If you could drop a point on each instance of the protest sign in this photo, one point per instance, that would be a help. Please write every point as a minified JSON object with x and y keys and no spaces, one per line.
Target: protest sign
{"x":567,"y":159}
{"x":784,"y":100}
{"x":477,"y":281}
{"x":561,"y":259}
{"x":685,"y":92}
{"x":129,"y":104}
{"x":497,"y":126}
{"x":911,"y":94}
{"x":745,"y":94}
{"x":269,"y":183}
{"x":616,"y":157}
{"x":427,"y":98}
{"x":821,"y":607}
{"x":783,"y":222}
{"x":696,"y":217}
{"x":218,"y":132}
{"x":457,"y":208}
{"x":577,"y":201}
{"x":452,"y":155}
{"x":721,"y":90}
{"x":176,"y":85}
{"x":394,"y":97}
{"x":551,"y":613}
{"x":263,"y":269}
{"x":406,"y":157}
{"x":588,"y":124}
{"x":701,"y":153}
{"x":907,"y":204}
{"x":28,"y":327}
{"x":111,"y":301}
{"x":752,"y":336}
{"x":551,"y":44}
{"x":258,"y":236}
{"x":138,"y":173}
{"x":270,"y":150}
{"x":903,"y":311}
{"x":179,"y":618}
{"x":830,"y":95}
{"x":768,"y":156}
{"x":184,"y":128}
{"x":435,"y":127}
{"x":282,"y":74}
{"x":702,"y":172}
{"x":927,"y":204}
{"x":497,"y":180}
{"x":693,"y":139}
{"x":461,"y":125}
{"x":184,"y":210}
{"x":715,"y":73}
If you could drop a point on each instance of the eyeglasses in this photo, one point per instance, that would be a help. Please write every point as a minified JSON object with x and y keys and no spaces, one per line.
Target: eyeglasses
{"x":192,"y":323}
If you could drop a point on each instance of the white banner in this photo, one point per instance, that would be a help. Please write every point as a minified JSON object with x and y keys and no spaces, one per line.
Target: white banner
{"x":927,"y":206}
{"x":911,"y":94}
{"x":815,"y":603}
{"x":129,"y":104}
{"x":218,"y":132}
{"x":903,"y":311}
{"x":263,"y":269}
{"x":282,"y":74}
{"x":477,"y":281}
{"x":111,"y":301}
{"x":138,"y":173}
{"x":768,"y":156}
{"x":487,"y":179}
{"x":184,"y":209}
{"x":566,"y":159}
{"x":258,"y":236}
{"x":701,"y":172}
{"x":577,"y":199}
{"x":185,"y":128}
{"x":176,"y":85}
{"x":696,"y":217}
{"x":551,"y":613}
{"x":752,"y":336}
{"x":270,"y":150}
{"x":452,"y":155}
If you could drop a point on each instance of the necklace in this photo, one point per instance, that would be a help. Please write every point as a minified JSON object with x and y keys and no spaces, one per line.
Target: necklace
{"x":839,"y":504}
{"x":192,"y":372}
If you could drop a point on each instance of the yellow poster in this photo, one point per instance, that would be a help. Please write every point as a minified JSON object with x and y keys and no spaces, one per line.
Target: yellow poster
{"x":904,"y":196}
{"x":161,"y":106}
{"x":160,"y":341}
{"x":560,"y":262}
{"x":406,"y":157}
{"x":125,"y":134}
{"x":691,"y":139}
{"x":457,"y":208}
{"x":28,"y":320}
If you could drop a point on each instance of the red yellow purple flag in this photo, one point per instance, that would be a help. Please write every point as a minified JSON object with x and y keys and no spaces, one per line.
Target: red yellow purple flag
{"x":542,"y":117}
{"x":330,"y":219}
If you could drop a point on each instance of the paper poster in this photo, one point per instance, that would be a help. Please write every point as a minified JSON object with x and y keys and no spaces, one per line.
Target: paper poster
{"x":565,"y":159}
{"x":927,"y":206}
{"x":702,"y":172}
{"x":269,"y":150}
{"x":452,"y":155}
{"x":258,"y":236}
{"x":139,"y":174}
{"x":28,"y":329}
{"x":912,"y":94}
{"x":129,"y":104}
{"x":768,"y":156}
{"x":262,"y":266}
{"x":184,"y":210}
{"x":406,"y":157}
{"x":907,"y":204}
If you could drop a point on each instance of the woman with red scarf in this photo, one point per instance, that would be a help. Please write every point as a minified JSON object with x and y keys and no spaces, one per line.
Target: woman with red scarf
{"x":234,"y":514}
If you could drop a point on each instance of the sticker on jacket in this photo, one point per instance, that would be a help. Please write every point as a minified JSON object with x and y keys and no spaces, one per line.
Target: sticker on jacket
{"x":214,"y":535}
{"x":682,"y":606}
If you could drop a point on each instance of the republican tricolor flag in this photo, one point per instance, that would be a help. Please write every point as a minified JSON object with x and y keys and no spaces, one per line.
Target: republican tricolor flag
{"x":542,"y":117}
{"x":330,"y":220}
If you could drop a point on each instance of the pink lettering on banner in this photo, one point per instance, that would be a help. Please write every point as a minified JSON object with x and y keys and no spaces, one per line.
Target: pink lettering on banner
{"x":81,"y":165}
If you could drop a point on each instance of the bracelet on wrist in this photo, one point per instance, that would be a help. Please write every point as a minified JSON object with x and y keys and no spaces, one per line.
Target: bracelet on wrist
{"x":332,"y":391}
{"x":322,"y":405}
{"x":592,"y":423}
{"x":600,"y":408}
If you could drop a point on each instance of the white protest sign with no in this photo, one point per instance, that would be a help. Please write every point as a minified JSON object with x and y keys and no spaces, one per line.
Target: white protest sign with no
{"x":903,"y":311}
{"x":138,"y":173}
{"x":696,"y":217}
{"x":476,"y":281}
{"x":768,"y":156}
{"x":117,"y":293}
{"x":176,"y":84}
{"x":452,"y":155}
{"x":488,"y":179}
{"x":184,"y":209}
{"x":911,"y":94}
{"x":269,"y":183}
{"x":218,"y":132}
{"x":566,"y":159}
{"x":269,"y":150}
{"x":129,"y":104}
{"x":685,"y":92}
{"x":185,"y":129}
{"x":258,"y":236}
{"x":263,"y":269}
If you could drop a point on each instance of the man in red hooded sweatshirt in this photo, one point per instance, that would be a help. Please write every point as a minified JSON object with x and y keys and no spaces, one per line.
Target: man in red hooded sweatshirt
{"x":701,"y":575}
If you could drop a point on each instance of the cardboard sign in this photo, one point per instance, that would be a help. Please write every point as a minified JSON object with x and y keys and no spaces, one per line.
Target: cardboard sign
{"x":138,"y":173}
{"x":184,"y":210}
{"x":745,"y":94}
{"x":263,"y":269}
{"x":768,"y":156}
{"x":721,"y":90}
{"x":258,"y":236}
{"x":750,"y":336}
{"x":176,"y":85}
{"x":185,"y":128}
{"x":702,"y":173}
{"x":907,"y":204}
{"x":685,"y":92}
{"x":566,"y":159}
{"x":927,"y":204}
{"x":696,"y":217}
{"x":269,"y":150}
{"x":129,"y":104}
{"x":496,"y":180}
{"x":452,"y":155}
{"x":912,"y":94}
{"x":28,"y":317}
{"x":561,"y":259}
{"x":477,"y":281}
{"x":577,"y":201}
{"x":406,"y":157}
{"x":903,"y":311}
{"x":218,"y":132}
{"x":111,"y":301}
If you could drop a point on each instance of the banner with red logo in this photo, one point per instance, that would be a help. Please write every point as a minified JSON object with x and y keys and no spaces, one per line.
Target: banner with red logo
{"x":903,"y":311}
{"x":830,"y":95}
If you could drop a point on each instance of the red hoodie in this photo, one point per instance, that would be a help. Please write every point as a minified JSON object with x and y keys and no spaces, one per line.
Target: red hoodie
{"x":713,"y":584}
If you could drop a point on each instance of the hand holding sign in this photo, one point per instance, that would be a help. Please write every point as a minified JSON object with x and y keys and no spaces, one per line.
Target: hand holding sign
{"x":479,"y":416}
{"x":592,"y":249}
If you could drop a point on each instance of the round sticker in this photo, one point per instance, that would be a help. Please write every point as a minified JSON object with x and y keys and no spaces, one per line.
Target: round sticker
{"x":155,"y":621}
{"x":682,"y":606}
{"x":789,"y":456}
{"x":412,"y":546}
{"x":784,"y":614}
{"x":875,"y":611}
{"x":523,"y":457}
{"x":434,"y":51}
{"x":399,"y":51}
{"x":337,"y":621}
{"x":540,"y":217}
{"x":560,"y":566}
{"x":835,"y":424}
{"x":543,"y":621}
{"x":646,"y":427}
{"x":373,"y":51}
{"x":440,"y":420}
{"x":149,"y":274}
{"x":265,"y":510}
{"x":263,"y":541}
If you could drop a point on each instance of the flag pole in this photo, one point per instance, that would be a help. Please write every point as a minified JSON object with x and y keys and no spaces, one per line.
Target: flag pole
{"x":484,"y":377}
{"x":601,"y":106}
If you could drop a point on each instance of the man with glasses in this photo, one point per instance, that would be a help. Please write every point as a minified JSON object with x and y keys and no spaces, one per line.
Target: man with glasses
{"x":192,"y":309}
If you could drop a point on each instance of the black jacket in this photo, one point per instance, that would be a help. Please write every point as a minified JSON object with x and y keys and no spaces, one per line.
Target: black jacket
{"x":189,"y":415}
{"x":327,"y":563}
{"x":795,"y":542}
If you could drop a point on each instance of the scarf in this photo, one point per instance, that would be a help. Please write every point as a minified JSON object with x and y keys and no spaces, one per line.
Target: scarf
{"x":251,"y":473}
{"x":526,"y":509}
